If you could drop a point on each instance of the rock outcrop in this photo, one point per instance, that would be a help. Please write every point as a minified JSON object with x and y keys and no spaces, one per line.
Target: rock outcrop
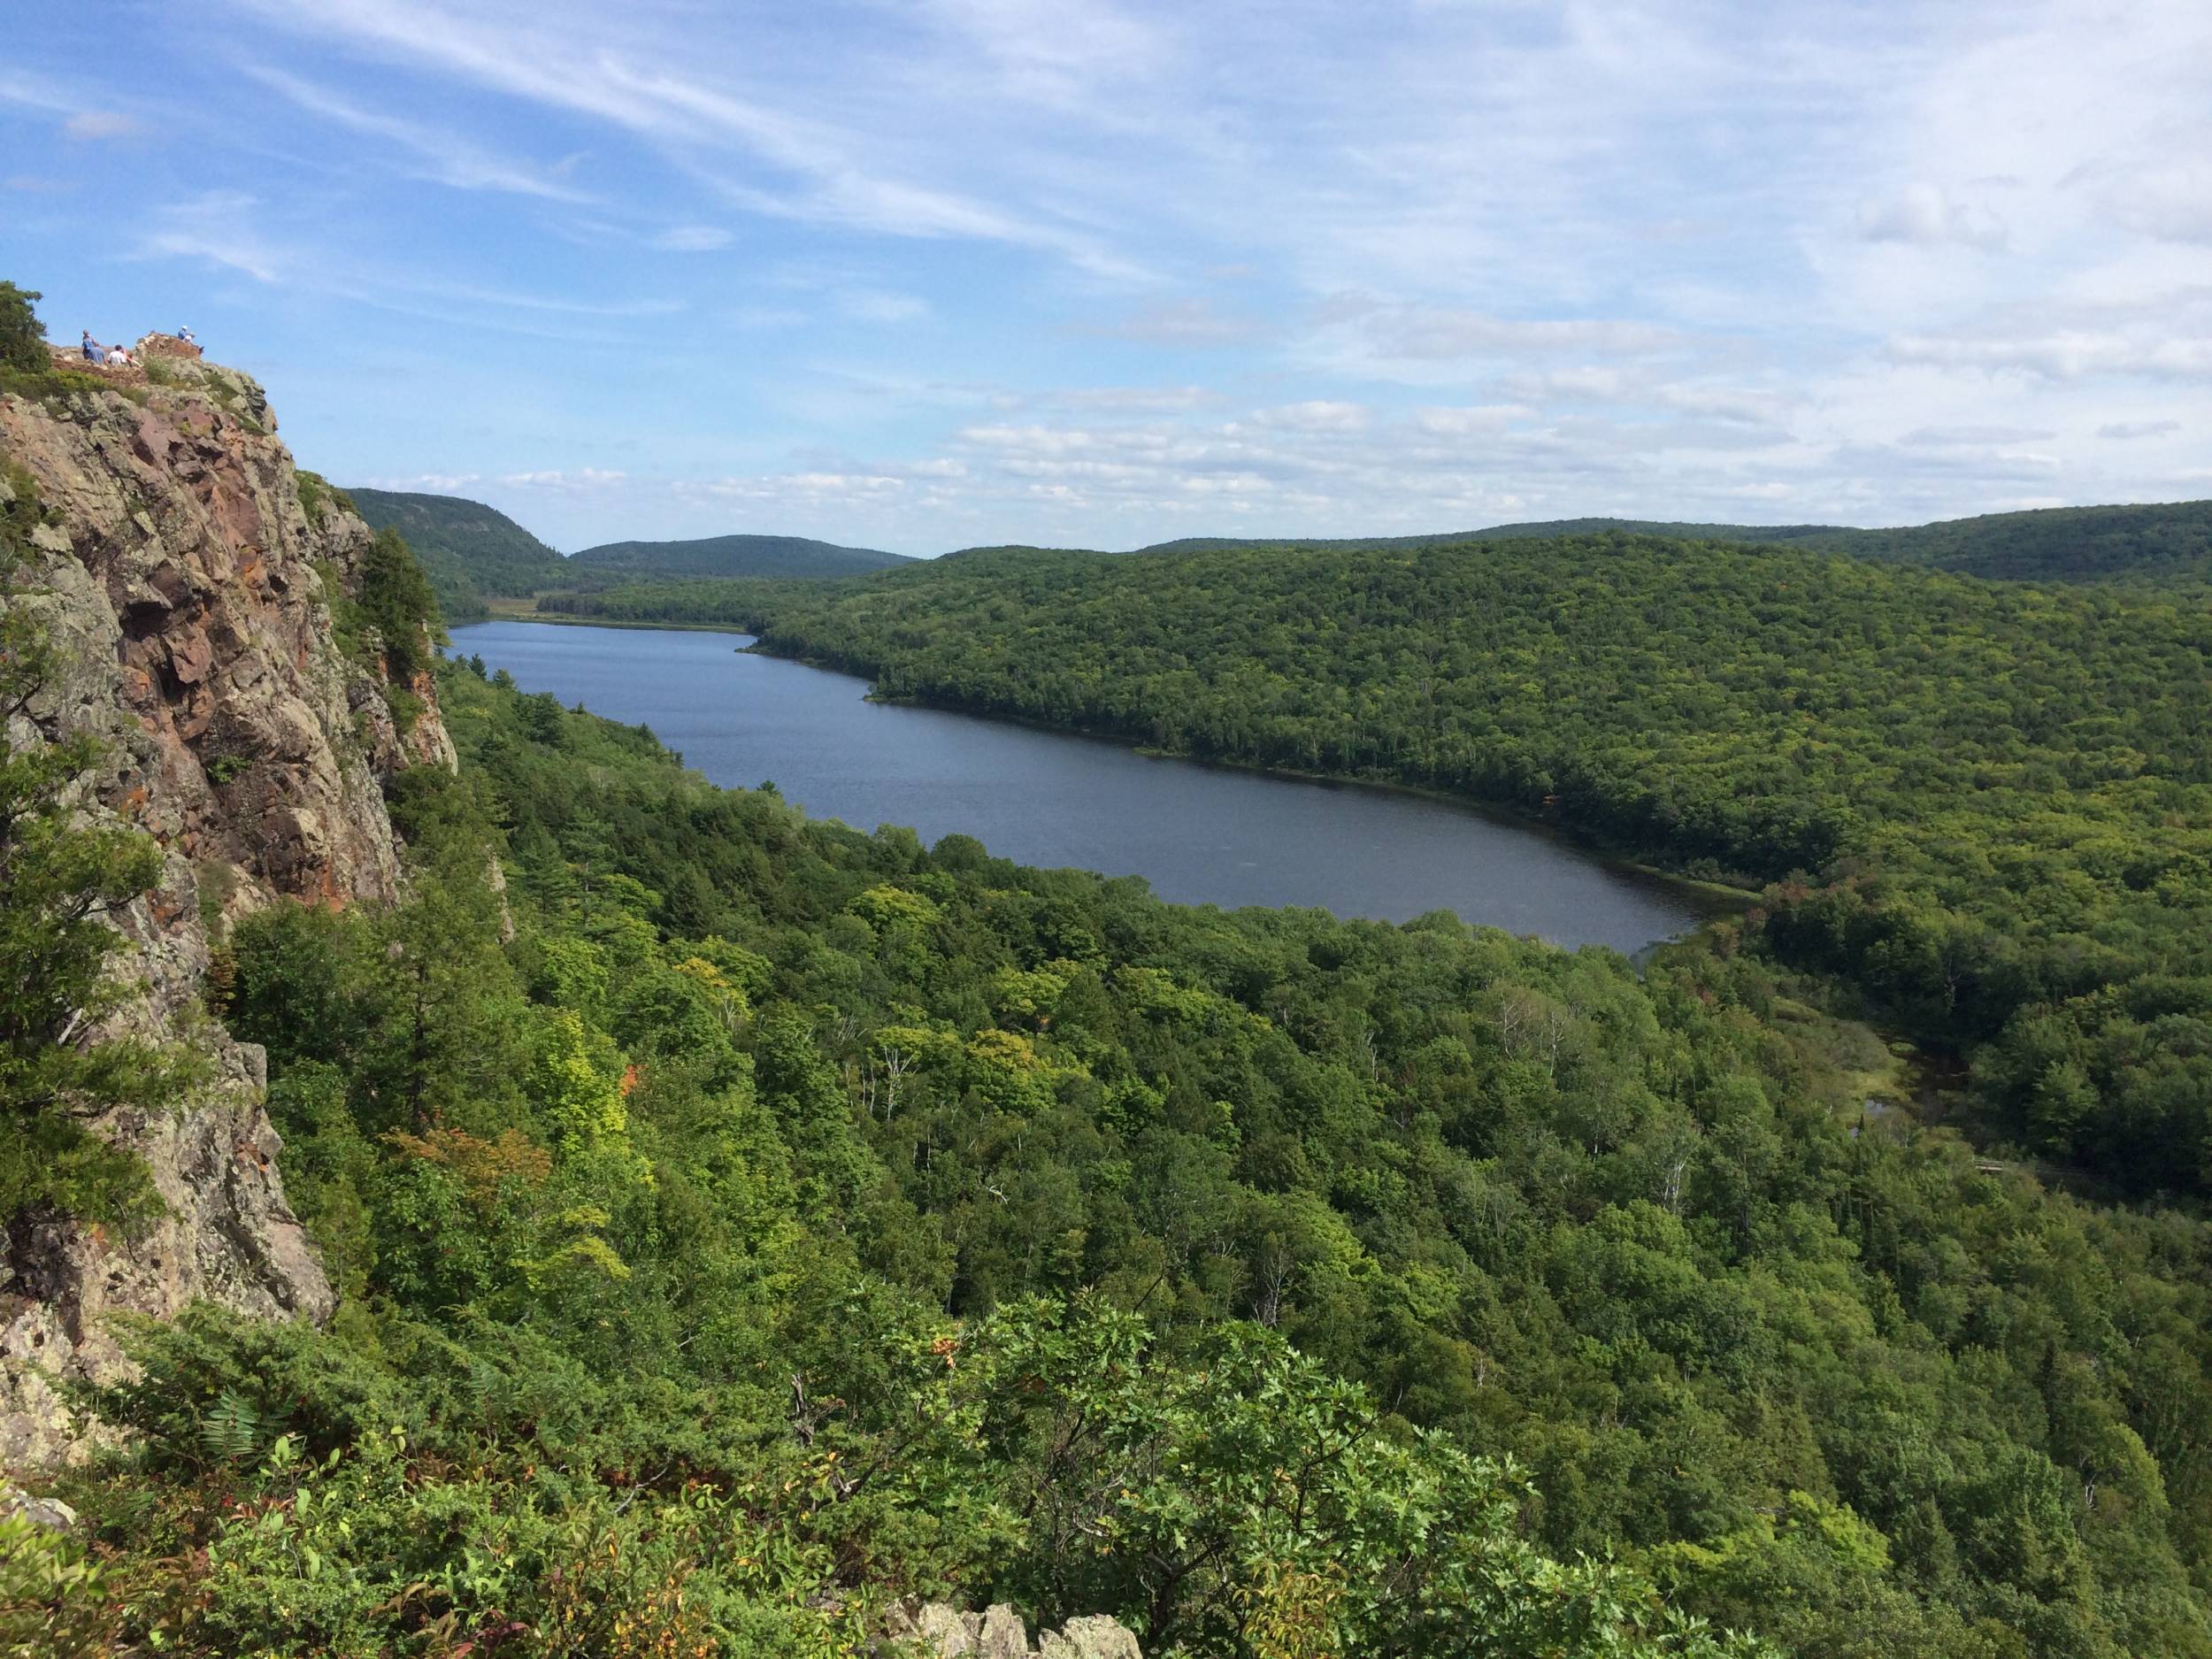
{"x":937,"y":1630}
{"x":190,"y":583}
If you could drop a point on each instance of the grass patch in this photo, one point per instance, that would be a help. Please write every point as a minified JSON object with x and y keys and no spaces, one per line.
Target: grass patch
{"x":50,"y":387}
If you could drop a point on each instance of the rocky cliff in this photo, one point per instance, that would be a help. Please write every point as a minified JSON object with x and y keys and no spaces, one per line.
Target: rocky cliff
{"x":190,"y":581}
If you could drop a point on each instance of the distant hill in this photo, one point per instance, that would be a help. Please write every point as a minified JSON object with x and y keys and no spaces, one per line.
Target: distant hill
{"x":471,"y":552}
{"x":782,"y":555}
{"x":2171,"y":541}
{"x":1789,"y":535}
{"x":2164,"y":543}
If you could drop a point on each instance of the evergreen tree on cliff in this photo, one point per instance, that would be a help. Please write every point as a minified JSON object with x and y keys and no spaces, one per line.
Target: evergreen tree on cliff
{"x":59,"y":881}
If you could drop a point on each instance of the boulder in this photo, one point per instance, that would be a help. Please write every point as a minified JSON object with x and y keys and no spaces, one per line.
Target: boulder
{"x":941,"y":1631}
{"x":1093,"y":1636}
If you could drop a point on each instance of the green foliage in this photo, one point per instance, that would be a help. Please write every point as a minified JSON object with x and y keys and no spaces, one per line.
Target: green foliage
{"x":2164,"y":543}
{"x":698,"y":602}
{"x":1168,"y":1485}
{"x":395,"y":599}
{"x":470,"y":552}
{"x":22,"y":336}
{"x":727,"y":555}
{"x":54,"y":1602}
{"x":786,"y":1220}
{"x":59,"y":881}
{"x":1983,"y":805}
{"x":317,"y":497}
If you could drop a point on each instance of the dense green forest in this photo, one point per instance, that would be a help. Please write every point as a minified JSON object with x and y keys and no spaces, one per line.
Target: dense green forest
{"x":2164,"y":544}
{"x":699,"y":600}
{"x":2159,"y":544}
{"x":475,"y":554}
{"x":740,"y":1220}
{"x":472,"y":553}
{"x":728,"y":555}
{"x":1988,"y":806}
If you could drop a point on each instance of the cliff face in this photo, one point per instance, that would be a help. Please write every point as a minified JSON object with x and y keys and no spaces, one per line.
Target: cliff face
{"x":190,"y":589}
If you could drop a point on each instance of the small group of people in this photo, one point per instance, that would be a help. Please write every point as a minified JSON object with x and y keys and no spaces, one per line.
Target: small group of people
{"x":118,"y":355}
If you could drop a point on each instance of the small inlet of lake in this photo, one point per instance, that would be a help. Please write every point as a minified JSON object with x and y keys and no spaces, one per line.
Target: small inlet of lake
{"x":1200,"y":834}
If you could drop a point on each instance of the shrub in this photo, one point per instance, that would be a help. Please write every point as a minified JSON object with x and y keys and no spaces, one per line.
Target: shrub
{"x":22,"y":339}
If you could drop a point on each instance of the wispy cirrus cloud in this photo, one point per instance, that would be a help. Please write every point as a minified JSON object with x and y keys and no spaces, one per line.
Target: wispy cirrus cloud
{"x":221,"y":228}
{"x":692,"y":239}
{"x":1104,"y":270}
{"x":85,"y":119}
{"x":102,"y":125}
{"x":769,"y":159}
{"x":430,"y":153}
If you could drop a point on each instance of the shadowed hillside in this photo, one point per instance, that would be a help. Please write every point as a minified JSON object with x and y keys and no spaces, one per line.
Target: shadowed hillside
{"x":471,"y":552}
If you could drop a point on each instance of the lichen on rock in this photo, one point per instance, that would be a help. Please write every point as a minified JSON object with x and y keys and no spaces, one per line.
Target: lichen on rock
{"x":938,"y":1630}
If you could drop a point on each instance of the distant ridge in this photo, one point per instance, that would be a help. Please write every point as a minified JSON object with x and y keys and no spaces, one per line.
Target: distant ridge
{"x":1789,"y":535}
{"x":783,"y":556}
{"x":2166,"y":542}
{"x":471,"y":552}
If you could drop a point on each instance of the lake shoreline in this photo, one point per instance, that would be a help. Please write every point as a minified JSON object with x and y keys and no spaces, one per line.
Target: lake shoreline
{"x":1726,"y":897}
{"x":554,"y":620}
{"x":1201,"y":829}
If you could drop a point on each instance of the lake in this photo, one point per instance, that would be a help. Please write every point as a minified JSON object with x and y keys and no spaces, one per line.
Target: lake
{"x":1200,"y":834}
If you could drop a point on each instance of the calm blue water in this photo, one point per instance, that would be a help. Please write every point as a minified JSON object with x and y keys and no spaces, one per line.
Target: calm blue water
{"x":1200,"y":834}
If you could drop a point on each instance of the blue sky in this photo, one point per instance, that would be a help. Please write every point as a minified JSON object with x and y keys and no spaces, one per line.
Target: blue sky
{"x":949,"y":272}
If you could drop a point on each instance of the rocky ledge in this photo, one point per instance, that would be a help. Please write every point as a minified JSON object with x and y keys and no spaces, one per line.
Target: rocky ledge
{"x":938,"y":1630}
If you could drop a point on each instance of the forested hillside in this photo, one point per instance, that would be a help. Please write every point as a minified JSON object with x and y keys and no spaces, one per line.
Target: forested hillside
{"x":2164,"y":544}
{"x":1989,"y":806}
{"x":2161,"y":544}
{"x":471,"y":552}
{"x":727,"y":555}
{"x":740,"y":1220}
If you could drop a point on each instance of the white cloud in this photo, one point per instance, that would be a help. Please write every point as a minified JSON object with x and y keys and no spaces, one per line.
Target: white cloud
{"x":1437,"y":332}
{"x":867,"y":306}
{"x":564,"y":479}
{"x":1927,"y":215}
{"x":218,"y":228}
{"x":1315,"y":415}
{"x":2169,"y":198}
{"x":1397,"y":269}
{"x":1949,"y":437}
{"x":84,"y":121}
{"x":2064,"y":354}
{"x":1182,"y":323}
{"x":432,"y":483}
{"x":1129,"y":399}
{"x":647,"y":75}
{"x":442,"y":156}
{"x":693,"y":239}
{"x":97,"y":126}
{"x":1481,"y":420}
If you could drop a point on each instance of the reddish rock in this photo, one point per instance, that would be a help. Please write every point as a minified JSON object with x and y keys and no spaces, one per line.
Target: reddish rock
{"x":183,"y":588}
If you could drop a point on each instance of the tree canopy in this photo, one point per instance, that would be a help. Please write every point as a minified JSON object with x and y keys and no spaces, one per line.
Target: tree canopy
{"x":784,"y":1218}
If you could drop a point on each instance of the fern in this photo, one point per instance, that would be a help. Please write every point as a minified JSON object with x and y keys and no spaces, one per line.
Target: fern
{"x":231,"y":1429}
